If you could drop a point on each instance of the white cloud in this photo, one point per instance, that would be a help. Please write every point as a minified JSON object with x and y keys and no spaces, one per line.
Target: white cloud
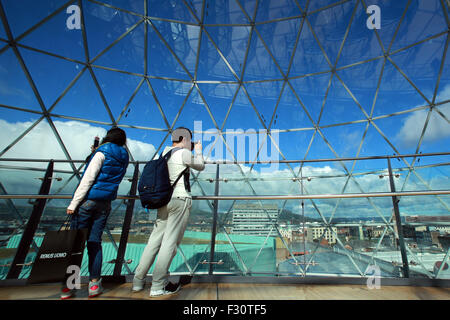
{"x":41,"y":143}
{"x":78,"y":136}
{"x":437,"y":129}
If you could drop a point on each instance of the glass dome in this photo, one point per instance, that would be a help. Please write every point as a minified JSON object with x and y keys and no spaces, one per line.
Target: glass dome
{"x":260,"y":83}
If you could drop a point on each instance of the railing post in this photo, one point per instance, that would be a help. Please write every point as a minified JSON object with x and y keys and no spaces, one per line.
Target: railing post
{"x":126,"y":228}
{"x":32,"y":224}
{"x":398,"y":223}
{"x":214,"y":226}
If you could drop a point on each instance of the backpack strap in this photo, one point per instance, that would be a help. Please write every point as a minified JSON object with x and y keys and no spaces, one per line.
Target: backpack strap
{"x":181,"y":174}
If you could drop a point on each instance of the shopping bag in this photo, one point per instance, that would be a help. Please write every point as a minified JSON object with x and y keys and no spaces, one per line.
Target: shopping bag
{"x":59,"y":249}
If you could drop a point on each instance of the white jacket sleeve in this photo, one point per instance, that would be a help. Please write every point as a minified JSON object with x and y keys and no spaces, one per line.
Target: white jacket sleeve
{"x":195,"y":162}
{"x":88,"y":179}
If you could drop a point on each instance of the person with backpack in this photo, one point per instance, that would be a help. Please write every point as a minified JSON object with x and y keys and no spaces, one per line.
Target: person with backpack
{"x":91,"y":202}
{"x":172,"y":218}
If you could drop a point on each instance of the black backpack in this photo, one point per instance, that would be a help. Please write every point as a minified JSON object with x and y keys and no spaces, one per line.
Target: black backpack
{"x":155,"y":189}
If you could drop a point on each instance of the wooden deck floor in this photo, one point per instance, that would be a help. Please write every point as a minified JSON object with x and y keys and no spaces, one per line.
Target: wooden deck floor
{"x":233,"y":291}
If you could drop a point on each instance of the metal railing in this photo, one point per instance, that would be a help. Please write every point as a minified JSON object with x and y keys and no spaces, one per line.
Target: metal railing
{"x":43,"y":195}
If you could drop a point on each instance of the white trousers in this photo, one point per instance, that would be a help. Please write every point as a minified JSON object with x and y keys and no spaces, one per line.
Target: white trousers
{"x":171,"y":222}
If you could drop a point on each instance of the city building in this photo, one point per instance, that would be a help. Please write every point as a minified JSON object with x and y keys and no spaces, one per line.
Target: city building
{"x":315,"y":233}
{"x":255,"y":219}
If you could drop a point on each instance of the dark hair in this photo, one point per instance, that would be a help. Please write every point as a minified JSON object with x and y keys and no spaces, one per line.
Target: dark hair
{"x":115,"y":135}
{"x":180,"y":138}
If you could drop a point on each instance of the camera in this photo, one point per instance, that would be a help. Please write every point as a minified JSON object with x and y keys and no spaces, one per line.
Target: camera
{"x":96,"y":142}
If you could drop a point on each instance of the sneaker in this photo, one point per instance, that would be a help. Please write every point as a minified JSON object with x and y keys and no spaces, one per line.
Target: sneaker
{"x":67,"y":293}
{"x":138,"y":284}
{"x":170,"y":288}
{"x":95,"y":288}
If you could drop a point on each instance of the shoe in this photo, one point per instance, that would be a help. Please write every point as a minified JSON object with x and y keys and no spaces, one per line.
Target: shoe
{"x":138,"y":284}
{"x":67,"y":293}
{"x":95,"y":288}
{"x":170,"y":288}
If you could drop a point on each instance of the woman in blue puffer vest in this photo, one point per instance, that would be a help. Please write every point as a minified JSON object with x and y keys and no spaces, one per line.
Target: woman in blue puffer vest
{"x":91,"y":203}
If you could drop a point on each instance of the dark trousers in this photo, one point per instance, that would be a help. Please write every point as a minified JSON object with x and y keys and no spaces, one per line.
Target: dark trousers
{"x":93,"y":214}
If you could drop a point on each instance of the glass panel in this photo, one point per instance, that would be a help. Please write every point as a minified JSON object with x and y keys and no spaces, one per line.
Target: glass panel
{"x":143,"y":144}
{"x":134,"y":6}
{"x":374,"y":143}
{"x":361,"y":43}
{"x":242,"y":115}
{"x":309,"y":56}
{"x":426,"y":235}
{"x":14,"y":216}
{"x":391,"y":14}
{"x":3,"y":33}
{"x":396,"y":130}
{"x":15,"y":88}
{"x":127,"y":54}
{"x":195,"y":8}
{"x":182,"y":40}
{"x":118,"y":89}
{"x":78,"y":137}
{"x":290,"y":113}
{"x":104,"y":25}
{"x":311,"y":92}
{"x":330,"y":26}
{"x":195,"y":110}
{"x":81,"y":101}
{"x":54,"y":36}
{"x":176,"y":10}
{"x":39,"y":143}
{"x":51,"y":82}
{"x":14,"y":123}
{"x":345,"y":140}
{"x":260,"y":65}
{"x":219,"y":98}
{"x":340,"y":107}
{"x":246,"y":240}
{"x":167,"y":48}
{"x":212,"y":65}
{"x":270,"y":10}
{"x":20,"y":19}
{"x":443,"y":93}
{"x":362,"y":81}
{"x":264,"y":97}
{"x":422,"y":20}
{"x":280,"y":38}
{"x":229,"y":12}
{"x":171,"y":95}
{"x":292,"y":151}
{"x":232,"y":43}
{"x":396,"y":93}
{"x":15,"y":213}
{"x":411,"y":61}
{"x":144,"y":111}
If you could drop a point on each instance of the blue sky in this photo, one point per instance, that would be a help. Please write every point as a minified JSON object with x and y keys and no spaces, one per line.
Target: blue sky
{"x":271,"y":56}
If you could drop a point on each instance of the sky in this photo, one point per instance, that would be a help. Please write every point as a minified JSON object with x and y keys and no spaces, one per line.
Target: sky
{"x":292,"y":109}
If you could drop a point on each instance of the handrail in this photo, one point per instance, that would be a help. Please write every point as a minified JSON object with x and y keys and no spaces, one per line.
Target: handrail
{"x":256,"y":197}
{"x":256,"y":162}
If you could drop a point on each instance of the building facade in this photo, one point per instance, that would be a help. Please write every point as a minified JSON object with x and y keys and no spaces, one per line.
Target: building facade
{"x":255,"y":219}
{"x":315,"y":233}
